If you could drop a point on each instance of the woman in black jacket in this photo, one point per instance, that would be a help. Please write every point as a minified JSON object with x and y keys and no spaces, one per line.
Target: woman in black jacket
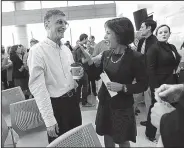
{"x":115,"y":117}
{"x":20,"y":74}
{"x":162,"y":63}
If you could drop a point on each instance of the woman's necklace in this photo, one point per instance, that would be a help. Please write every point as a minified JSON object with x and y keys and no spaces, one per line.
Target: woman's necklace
{"x":118,"y":59}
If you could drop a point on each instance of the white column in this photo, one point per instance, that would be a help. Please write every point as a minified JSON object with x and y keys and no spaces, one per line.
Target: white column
{"x":21,"y":35}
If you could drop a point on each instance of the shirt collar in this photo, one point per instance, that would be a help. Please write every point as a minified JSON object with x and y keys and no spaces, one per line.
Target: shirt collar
{"x":53,"y":44}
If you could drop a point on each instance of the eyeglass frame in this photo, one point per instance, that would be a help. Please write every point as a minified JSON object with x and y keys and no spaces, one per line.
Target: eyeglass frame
{"x":63,"y":23}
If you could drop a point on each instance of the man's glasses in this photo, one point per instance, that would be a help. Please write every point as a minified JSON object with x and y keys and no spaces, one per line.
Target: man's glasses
{"x":63,"y":23}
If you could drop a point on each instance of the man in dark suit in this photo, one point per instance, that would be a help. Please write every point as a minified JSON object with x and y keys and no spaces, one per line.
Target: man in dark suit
{"x":147,"y":28}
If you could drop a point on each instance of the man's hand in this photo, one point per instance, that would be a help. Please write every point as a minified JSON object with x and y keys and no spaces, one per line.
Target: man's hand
{"x":53,"y":130}
{"x":158,"y":110}
{"x":170,"y":93}
{"x":114,"y":86}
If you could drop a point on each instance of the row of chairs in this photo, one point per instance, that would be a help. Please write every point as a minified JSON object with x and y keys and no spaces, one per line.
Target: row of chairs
{"x":27,"y":122}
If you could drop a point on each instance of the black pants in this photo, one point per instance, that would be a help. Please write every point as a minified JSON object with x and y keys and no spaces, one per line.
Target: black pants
{"x":150,"y":129}
{"x":93,"y":85}
{"x":83,"y":86}
{"x":67,"y":113}
{"x":4,"y":78}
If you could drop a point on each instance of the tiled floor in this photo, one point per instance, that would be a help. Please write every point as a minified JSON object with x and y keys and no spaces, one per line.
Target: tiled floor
{"x":88,"y":116}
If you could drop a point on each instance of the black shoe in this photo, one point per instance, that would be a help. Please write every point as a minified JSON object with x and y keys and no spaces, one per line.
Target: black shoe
{"x":95,"y":94}
{"x":143,"y":123}
{"x":154,"y":140}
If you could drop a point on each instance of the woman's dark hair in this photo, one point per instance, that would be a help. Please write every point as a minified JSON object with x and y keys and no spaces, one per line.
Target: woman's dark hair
{"x":69,"y":46}
{"x":2,"y":49}
{"x":162,"y":26}
{"x":14,"y":49}
{"x":123,"y":29}
{"x":9,"y":49}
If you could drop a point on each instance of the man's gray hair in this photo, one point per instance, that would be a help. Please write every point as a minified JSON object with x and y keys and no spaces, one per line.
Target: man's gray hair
{"x":52,"y":12}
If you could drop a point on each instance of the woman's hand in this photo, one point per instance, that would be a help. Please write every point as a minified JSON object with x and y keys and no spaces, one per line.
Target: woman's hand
{"x":21,"y":69}
{"x":114,"y":86}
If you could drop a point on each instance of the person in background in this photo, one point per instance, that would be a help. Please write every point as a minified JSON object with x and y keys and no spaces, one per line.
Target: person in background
{"x":19,"y":71}
{"x":51,"y":81}
{"x":89,"y":48}
{"x":25,"y":53}
{"x":181,"y":52}
{"x":167,"y":120}
{"x":101,"y":47}
{"x":76,"y":46}
{"x":91,"y":79}
{"x":162,"y":63}
{"x":9,"y":69}
{"x":180,"y":69}
{"x":92,"y":41}
{"x":33,"y":42}
{"x":138,"y":37}
{"x":69,"y":46}
{"x":83,"y":82}
{"x":147,"y":40}
{"x":115,"y":119}
{"x":97,"y":53}
{"x":4,"y":67}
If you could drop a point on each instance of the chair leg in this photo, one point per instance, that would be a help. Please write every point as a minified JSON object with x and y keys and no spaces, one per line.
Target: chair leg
{"x":10,"y":128}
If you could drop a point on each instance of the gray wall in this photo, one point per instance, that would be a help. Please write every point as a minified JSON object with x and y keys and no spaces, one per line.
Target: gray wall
{"x":23,"y":17}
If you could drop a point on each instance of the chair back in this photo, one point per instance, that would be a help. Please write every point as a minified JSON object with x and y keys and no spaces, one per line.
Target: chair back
{"x":81,"y":136}
{"x":4,"y":132}
{"x":9,"y":96}
{"x":26,"y":117}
